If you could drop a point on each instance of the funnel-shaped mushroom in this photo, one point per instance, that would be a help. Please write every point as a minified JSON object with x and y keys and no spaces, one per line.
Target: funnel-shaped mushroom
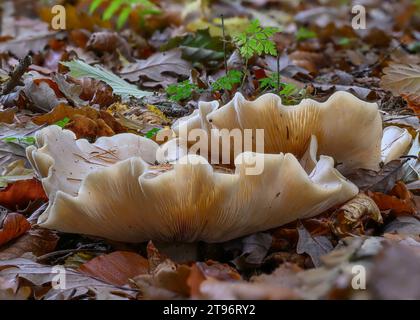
{"x":121,"y":195}
{"x":347,"y":128}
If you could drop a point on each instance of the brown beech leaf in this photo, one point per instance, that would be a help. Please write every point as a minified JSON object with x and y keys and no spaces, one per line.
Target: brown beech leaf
{"x":20,"y":193}
{"x":85,"y":122}
{"x":352,"y":216}
{"x":400,"y":200}
{"x":160,"y":69}
{"x":37,"y":241}
{"x":402,"y":78}
{"x":13,"y":226}
{"x":116,"y":268}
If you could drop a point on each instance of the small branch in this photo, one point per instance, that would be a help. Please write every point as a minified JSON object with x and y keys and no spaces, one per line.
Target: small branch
{"x":224,"y":44}
{"x":278,"y":73}
{"x":17,"y":74}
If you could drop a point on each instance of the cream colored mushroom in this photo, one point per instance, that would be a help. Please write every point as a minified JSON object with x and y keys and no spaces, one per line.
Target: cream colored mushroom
{"x":347,"y":128}
{"x":111,"y":189}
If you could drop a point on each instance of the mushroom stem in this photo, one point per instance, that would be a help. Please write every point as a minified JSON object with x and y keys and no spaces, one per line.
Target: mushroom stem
{"x":179,"y":252}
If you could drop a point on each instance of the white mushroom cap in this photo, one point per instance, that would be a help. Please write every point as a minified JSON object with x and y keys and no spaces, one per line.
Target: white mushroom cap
{"x":395,"y":142}
{"x":134,"y":201}
{"x":347,"y":128}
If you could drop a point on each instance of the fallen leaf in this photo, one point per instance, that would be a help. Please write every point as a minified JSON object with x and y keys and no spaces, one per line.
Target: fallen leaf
{"x":400,"y":201}
{"x":351,"y":217}
{"x":395,"y":274}
{"x":12,"y":226}
{"x":401,"y":79}
{"x":20,"y":193}
{"x":252,"y":249}
{"x":77,"y":285}
{"x":404,"y":225}
{"x":7,"y":116}
{"x":314,"y":246}
{"x":380,"y":181}
{"x":413,"y":102}
{"x":22,"y":46}
{"x":106,"y":41}
{"x":116,"y":268}
{"x":15,"y":171}
{"x":160,"y":69}
{"x":85,"y":122}
{"x":37,"y":241}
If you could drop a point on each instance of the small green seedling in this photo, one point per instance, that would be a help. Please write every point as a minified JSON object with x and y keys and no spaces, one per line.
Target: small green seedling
{"x":228,"y":81}
{"x":256,"y":41}
{"x":181,"y":91}
{"x":123,"y":9}
{"x":305,"y":34}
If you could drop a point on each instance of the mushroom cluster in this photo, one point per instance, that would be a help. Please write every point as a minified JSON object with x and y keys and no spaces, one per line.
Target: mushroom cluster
{"x":121,"y":188}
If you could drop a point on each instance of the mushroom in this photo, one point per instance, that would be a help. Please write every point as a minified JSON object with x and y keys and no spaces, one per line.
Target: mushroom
{"x":115,"y":190}
{"x":347,"y":128}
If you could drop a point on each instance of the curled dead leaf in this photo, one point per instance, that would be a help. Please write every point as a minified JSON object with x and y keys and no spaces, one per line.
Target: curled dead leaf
{"x":353,"y":215}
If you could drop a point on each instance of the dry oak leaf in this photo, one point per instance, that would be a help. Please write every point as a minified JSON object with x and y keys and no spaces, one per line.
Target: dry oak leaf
{"x":116,"y":268}
{"x":351,"y":217}
{"x":20,"y":193}
{"x":400,"y":200}
{"x":402,"y":78}
{"x":13,"y":226}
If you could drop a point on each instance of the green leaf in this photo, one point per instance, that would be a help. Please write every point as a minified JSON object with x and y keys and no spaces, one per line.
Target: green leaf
{"x":150,"y":134}
{"x":288,"y":89}
{"x":228,"y":81}
{"x":95,"y":5}
{"x":120,"y":87}
{"x":304,"y":34}
{"x":256,"y":40}
{"x":181,"y":91}
{"x":112,"y":9}
{"x":344,"y":41}
{"x":25,"y":140}
{"x":123,"y":17}
{"x":62,"y":123}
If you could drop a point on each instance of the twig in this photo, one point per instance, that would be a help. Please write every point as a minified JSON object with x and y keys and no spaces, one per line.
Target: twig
{"x":17,"y":74}
{"x":224,"y":44}
{"x":278,"y":72}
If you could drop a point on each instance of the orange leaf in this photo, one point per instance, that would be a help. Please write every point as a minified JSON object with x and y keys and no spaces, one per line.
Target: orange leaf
{"x":14,"y":225}
{"x":20,"y":193}
{"x":400,"y":200}
{"x":413,"y":102}
{"x":116,"y":268}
